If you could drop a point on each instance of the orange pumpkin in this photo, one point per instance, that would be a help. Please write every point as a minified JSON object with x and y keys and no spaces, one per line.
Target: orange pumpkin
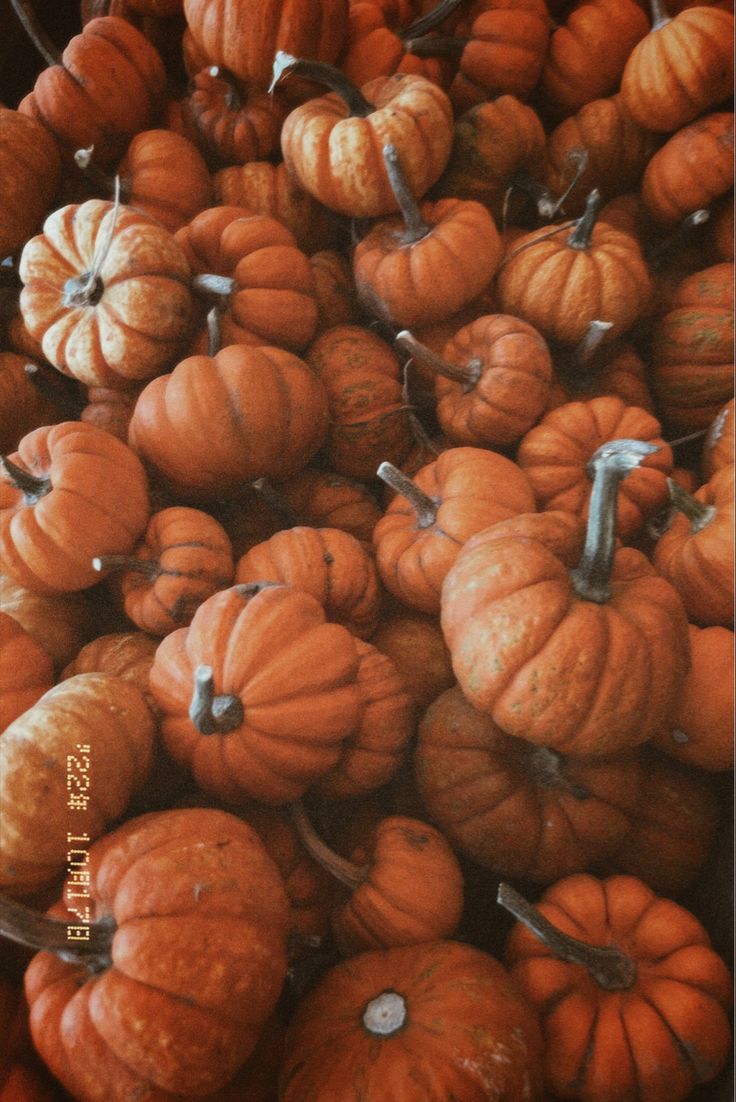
{"x":26,"y":670}
{"x":691,"y":170}
{"x":619,"y":975}
{"x":234,"y":124}
{"x":31,"y":168}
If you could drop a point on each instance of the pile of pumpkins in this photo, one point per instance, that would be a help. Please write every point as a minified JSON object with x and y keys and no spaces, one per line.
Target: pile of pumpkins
{"x":366,"y":525}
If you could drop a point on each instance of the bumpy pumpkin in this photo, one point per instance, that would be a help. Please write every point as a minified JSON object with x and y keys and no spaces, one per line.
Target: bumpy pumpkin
{"x":107,"y":293}
{"x":26,"y":670}
{"x":31,"y":167}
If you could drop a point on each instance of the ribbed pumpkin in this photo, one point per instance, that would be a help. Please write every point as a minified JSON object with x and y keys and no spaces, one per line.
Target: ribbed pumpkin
{"x":26,"y":400}
{"x":61,"y":623}
{"x":691,"y":170}
{"x":26,"y":670}
{"x":235,"y":123}
{"x":258,"y":693}
{"x":31,"y":167}
{"x":164,"y":174}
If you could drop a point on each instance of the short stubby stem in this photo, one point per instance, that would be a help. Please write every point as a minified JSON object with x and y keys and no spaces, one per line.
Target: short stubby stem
{"x":581,"y":236}
{"x":213,"y":713}
{"x":423,"y":505}
{"x":31,"y":486}
{"x":150,"y":567}
{"x":386,"y":1014}
{"x":349,"y":874}
{"x":609,"y":966}
{"x":697,"y":512}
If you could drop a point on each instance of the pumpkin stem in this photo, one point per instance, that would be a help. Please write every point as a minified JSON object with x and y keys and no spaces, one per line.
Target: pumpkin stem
{"x":697,"y":512}
{"x":386,"y":1014}
{"x":38,"y":36}
{"x":268,"y":492}
{"x":424,"y":506}
{"x":435,"y":45}
{"x":99,"y":179}
{"x":611,"y":968}
{"x":581,"y":235}
{"x":547,"y":768}
{"x":233,"y":98}
{"x":547,"y":206}
{"x":32,"y":487}
{"x":87,"y":289}
{"x":352,"y":876}
{"x":429,"y":20}
{"x":591,"y":342}
{"x":322,"y":73}
{"x":150,"y":567}
{"x":665,"y":249}
{"x":55,"y":388}
{"x":213,"y":714}
{"x":610,"y":464}
{"x":210,"y":284}
{"x":660,"y":15}
{"x":415,"y":226}
{"x":87,"y":943}
{"x":467,"y":375}
{"x":214,"y":332}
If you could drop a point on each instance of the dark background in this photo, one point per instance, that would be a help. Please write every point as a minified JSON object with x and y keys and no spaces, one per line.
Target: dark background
{"x":20,"y":64}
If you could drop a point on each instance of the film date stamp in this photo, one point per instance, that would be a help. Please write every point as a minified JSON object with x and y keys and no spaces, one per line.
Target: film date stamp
{"x":77,"y":857}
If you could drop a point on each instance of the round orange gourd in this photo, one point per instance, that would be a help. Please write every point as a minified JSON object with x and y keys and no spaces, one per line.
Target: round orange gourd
{"x":235,"y":123}
{"x":26,"y":670}
{"x":691,"y":170}
{"x":30,"y":166}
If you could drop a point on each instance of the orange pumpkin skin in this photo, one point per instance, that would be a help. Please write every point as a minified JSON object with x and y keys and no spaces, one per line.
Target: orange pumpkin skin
{"x":697,"y":556}
{"x":60,"y":623}
{"x":600,"y":1044}
{"x":467,"y":1030}
{"x":588,"y":53}
{"x":692,"y":350}
{"x":513,"y":374}
{"x":125,"y":654}
{"x":680,"y":69}
{"x":334,"y":289}
{"x":184,"y":557}
{"x":31,"y":168}
{"x":412,"y":890}
{"x":326,"y":499}
{"x":718,"y":445}
{"x":111,"y":409}
{"x":234,"y":125}
{"x":415,"y":644}
{"x":555,"y":452}
{"x":244,"y":37}
{"x":138,"y":314}
{"x":294,"y":674}
{"x":217,"y":422}
{"x":26,"y":670}
{"x":472,"y":488}
{"x":91,"y":721}
{"x":23,"y":405}
{"x":691,"y":170}
{"x":520,"y":810}
{"x":329,"y":564}
{"x":23,"y":1077}
{"x":617,"y":370}
{"x":408,"y":111}
{"x":551,"y":669}
{"x":109,"y":86}
{"x":559,"y":288}
{"x":372,"y":753}
{"x":93,"y":498}
{"x":702,"y":731}
{"x":203,"y":880}
{"x":164,"y":175}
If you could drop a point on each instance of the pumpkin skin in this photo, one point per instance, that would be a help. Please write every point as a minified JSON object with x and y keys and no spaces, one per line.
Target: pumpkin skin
{"x":235,"y":125}
{"x":601,"y":1044}
{"x":210,"y":963}
{"x":471,"y":488}
{"x":415,"y":644}
{"x":92,"y":725}
{"x":244,"y":37}
{"x":692,"y":350}
{"x":325,"y":499}
{"x":31,"y":168}
{"x":23,"y":405}
{"x":22,"y":1075}
{"x":295,"y":675}
{"x":329,"y":564}
{"x":559,"y":285}
{"x":702,"y":731}
{"x":520,"y":810}
{"x":554,"y":455}
{"x":467,"y":1030}
{"x":135,"y":318}
{"x":718,"y":445}
{"x":683,"y":67}
{"x":691,"y":170}
{"x":320,"y":137}
{"x":697,"y":556}
{"x":60,"y":623}
{"x":372,"y":753}
{"x":125,"y":654}
{"x":92,"y":497}
{"x":217,"y":422}
{"x":109,"y":86}
{"x":164,"y":175}
{"x":510,"y":587}
{"x":26,"y":670}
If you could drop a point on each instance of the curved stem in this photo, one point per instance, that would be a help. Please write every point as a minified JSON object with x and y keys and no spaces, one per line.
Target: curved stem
{"x":430,"y":19}
{"x":87,"y":943}
{"x":697,"y":512}
{"x":610,"y":464}
{"x":268,"y":493}
{"x":591,"y":342}
{"x":547,"y":768}
{"x":56,"y":388}
{"x":547,"y":206}
{"x":415,"y":226}
{"x":87,"y":289}
{"x":233,"y":98}
{"x":210,"y":284}
{"x":467,"y":375}
{"x":660,"y":15}
{"x":38,"y":36}
{"x":435,"y":45}
{"x":581,"y":235}
{"x":322,"y":73}
{"x":665,"y":249}
{"x":150,"y":567}
{"x":611,"y":968}
{"x":99,"y":179}
{"x":212,"y":713}
{"x":352,"y":876}
{"x":31,"y":486}
{"x":423,"y":505}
